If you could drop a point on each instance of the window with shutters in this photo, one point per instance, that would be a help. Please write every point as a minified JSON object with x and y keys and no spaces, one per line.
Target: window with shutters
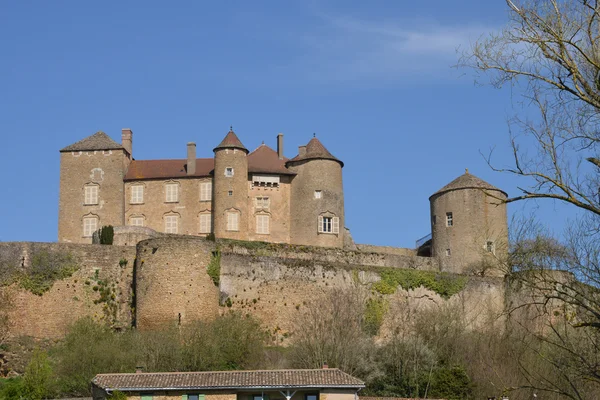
{"x":90,"y":225}
{"x":171,"y":222}
{"x":262,"y":224}
{"x":136,"y":221}
{"x":232,"y":220}
{"x":205,"y":222}
{"x":90,"y":195}
{"x":205,"y":191}
{"x":327,"y":224}
{"x":137,"y":194}
{"x":172,"y":192}
{"x":194,"y":397}
{"x":262,"y":202}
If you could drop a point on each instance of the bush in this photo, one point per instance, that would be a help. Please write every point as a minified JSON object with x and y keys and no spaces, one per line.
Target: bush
{"x":107,"y":234}
{"x":214,"y":267}
{"x":444,"y":284}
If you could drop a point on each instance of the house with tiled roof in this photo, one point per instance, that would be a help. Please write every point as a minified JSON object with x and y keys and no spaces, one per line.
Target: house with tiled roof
{"x":291,"y":384}
{"x":239,"y":194}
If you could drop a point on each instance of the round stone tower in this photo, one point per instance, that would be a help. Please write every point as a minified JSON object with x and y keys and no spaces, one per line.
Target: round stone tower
{"x":469,"y":226}
{"x":317,"y":197}
{"x":230,"y":189}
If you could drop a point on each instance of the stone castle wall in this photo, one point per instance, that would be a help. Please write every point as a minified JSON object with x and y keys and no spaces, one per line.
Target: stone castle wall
{"x":49,"y":315}
{"x":172,"y":285}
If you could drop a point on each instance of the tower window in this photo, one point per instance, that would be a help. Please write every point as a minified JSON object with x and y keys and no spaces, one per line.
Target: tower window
{"x":229,"y":172}
{"x":90,"y":195}
{"x":328,"y":224}
{"x":448,"y":253}
{"x":230,"y":193}
{"x":449,"y":219}
{"x":318,"y":194}
{"x":90,"y":225}
{"x":433,"y":220}
{"x":489,"y":247}
{"x":232,"y":221}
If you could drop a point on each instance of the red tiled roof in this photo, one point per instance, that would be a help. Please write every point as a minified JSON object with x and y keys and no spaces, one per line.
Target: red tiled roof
{"x":316,"y":150}
{"x":466,"y":181}
{"x":97,"y":141}
{"x":231,"y":141}
{"x":163,"y":169}
{"x":292,"y":378}
{"x":266,"y":160}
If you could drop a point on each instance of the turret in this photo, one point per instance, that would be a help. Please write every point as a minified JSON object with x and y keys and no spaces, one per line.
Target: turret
{"x":469,"y":226}
{"x":230,"y":189}
{"x":317,"y":197}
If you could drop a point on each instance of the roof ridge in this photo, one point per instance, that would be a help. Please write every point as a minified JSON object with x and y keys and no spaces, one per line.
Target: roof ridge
{"x":227,"y":372}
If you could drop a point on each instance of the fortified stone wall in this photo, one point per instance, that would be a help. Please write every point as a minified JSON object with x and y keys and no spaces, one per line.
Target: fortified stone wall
{"x":100,"y":287}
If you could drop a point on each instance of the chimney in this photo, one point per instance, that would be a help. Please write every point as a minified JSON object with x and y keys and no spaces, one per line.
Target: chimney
{"x":301,"y":150}
{"x":139,"y":370}
{"x":280,"y":146}
{"x":127,"y":140}
{"x":191,"y":158}
{"x":325,"y":366}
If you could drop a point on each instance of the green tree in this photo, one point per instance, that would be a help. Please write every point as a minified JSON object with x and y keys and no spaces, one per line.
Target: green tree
{"x":39,"y":381}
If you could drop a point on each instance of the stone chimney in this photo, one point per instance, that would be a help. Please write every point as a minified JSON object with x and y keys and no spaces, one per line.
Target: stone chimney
{"x":127,"y":140}
{"x":191,"y":158}
{"x":325,"y":366}
{"x":280,"y":146}
{"x":301,"y":150}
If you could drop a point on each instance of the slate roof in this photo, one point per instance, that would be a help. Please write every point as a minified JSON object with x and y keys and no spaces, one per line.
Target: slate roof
{"x":275,"y":379}
{"x":165,"y":169}
{"x":97,"y":141}
{"x":231,"y":141}
{"x":466,"y":181}
{"x":314,"y":151}
{"x":266,"y":160}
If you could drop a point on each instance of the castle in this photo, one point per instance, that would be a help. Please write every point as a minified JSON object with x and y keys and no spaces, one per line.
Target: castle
{"x":255,"y":196}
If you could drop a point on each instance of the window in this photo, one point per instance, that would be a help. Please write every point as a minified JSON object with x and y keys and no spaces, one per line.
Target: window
{"x":230,"y":193}
{"x":172,"y":191}
{"x":232,"y":221}
{"x":136,"y":221}
{"x":489,"y":247}
{"x":448,"y":252}
{"x":229,"y":172}
{"x":311,"y":396}
{"x":171,"y":223}
{"x":147,"y":396}
{"x":318,"y":194}
{"x":205,"y":223}
{"x":329,"y":225}
{"x":449,"y":220}
{"x":433,"y":220}
{"x":205,"y":191}
{"x":262,"y":224}
{"x":265,"y":181}
{"x":262,"y":202}
{"x":90,"y":225}
{"x":137,"y":194}
{"x":91,"y":194}
{"x":196,"y":397}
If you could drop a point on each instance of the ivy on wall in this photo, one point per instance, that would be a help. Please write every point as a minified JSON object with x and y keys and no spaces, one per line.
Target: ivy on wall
{"x":442,"y":283}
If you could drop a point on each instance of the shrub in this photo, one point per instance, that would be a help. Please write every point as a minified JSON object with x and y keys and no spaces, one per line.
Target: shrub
{"x":214,"y":267}
{"x":444,"y":284}
{"x":107,"y":234}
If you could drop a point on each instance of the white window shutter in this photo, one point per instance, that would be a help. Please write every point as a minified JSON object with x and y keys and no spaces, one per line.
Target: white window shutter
{"x":320,"y":223}
{"x":336,"y":225}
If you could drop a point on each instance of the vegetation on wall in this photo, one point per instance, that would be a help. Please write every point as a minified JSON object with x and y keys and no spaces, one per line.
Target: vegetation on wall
{"x":444,"y":284}
{"x":375,"y":309}
{"x":47,"y":267}
{"x":107,"y":296}
{"x":107,"y":234}
{"x":213,"y":269}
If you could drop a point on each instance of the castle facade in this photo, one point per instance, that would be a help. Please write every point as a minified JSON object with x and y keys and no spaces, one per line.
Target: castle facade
{"x":257,"y":196}
{"x":237,"y":194}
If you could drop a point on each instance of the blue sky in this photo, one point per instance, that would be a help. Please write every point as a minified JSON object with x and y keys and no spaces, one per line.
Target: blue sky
{"x":374,"y":80}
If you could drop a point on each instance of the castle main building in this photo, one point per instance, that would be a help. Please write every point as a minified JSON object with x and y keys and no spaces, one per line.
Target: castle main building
{"x":259,"y":195}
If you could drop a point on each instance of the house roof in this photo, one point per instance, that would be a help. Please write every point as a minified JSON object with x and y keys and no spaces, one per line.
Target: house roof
{"x":315,"y":151}
{"x":266,"y":160}
{"x":231,"y":141}
{"x":164,"y":169}
{"x":97,"y":141}
{"x":275,"y":379}
{"x":466,"y":181}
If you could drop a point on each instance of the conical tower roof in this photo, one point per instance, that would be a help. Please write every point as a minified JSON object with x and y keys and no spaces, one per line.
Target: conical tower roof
{"x":97,"y":141}
{"x":315,"y":151}
{"x":231,"y":141}
{"x":467,"y":181}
